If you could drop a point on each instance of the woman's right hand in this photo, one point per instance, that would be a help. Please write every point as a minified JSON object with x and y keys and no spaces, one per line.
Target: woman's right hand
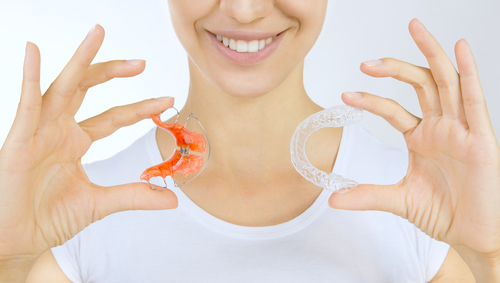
{"x":45,"y":196}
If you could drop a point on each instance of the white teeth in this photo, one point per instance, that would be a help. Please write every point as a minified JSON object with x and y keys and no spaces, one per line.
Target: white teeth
{"x":241,"y":46}
{"x":253,"y":46}
{"x":262,"y":44}
{"x":232,"y":44}
{"x":244,"y":46}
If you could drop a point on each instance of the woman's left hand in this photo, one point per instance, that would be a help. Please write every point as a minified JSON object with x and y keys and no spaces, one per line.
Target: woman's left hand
{"x":452,"y":187}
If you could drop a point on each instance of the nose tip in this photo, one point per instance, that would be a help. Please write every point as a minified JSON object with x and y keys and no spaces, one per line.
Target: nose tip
{"x":246,"y":11}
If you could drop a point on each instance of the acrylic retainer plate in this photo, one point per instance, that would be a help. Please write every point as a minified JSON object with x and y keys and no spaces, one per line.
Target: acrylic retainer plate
{"x":336,"y":116}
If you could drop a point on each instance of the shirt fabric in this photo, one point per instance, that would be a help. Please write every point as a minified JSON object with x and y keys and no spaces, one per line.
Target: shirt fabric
{"x":187,"y":244}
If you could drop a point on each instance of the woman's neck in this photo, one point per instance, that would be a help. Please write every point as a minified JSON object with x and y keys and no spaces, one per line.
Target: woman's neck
{"x":250,"y":137}
{"x":250,"y":179}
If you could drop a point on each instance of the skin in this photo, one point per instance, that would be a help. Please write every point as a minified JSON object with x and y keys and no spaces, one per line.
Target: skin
{"x":451,"y":191}
{"x":250,"y":169}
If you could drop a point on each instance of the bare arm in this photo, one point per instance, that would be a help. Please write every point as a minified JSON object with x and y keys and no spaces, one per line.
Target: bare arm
{"x":46,"y":270}
{"x":454,"y":269}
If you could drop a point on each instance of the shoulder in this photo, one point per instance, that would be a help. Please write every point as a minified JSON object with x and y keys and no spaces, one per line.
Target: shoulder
{"x":127,"y":165}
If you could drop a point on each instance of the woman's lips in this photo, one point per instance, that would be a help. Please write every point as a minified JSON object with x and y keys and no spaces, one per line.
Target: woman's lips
{"x":246,"y":58}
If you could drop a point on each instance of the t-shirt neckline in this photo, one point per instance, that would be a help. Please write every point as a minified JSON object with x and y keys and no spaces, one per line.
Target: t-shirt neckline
{"x":246,"y":232}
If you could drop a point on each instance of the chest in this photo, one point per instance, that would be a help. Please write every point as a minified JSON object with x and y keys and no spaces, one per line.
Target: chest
{"x":182,"y":250}
{"x":257,"y":203}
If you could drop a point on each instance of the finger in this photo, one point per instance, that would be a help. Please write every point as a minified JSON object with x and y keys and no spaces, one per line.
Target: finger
{"x":443,"y":71}
{"x":28,"y":112}
{"x":105,"y":124}
{"x":475,"y":108}
{"x":390,"y":110}
{"x":60,"y":92}
{"x":100,"y":73}
{"x":419,"y":77}
{"x":389,"y":198}
{"x":137,"y":196}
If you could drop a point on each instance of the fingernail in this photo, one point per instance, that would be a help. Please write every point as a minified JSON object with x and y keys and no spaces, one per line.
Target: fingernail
{"x":133,"y":62}
{"x":163,"y":98}
{"x":420,"y":23}
{"x":91,"y":31}
{"x":373,"y":63}
{"x":26,"y":51}
{"x":354,"y":95}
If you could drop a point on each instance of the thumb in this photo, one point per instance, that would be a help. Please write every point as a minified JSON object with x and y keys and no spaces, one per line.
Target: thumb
{"x":135,"y":196}
{"x":389,"y":198}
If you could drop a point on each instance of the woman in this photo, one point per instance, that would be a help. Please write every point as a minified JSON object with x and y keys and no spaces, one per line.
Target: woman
{"x":250,"y":216}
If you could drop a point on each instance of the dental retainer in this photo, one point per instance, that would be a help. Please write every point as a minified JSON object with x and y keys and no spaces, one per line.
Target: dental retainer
{"x":336,"y":116}
{"x":181,"y":161}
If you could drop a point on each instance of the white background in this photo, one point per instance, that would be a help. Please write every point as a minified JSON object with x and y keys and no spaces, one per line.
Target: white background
{"x":354,"y":31}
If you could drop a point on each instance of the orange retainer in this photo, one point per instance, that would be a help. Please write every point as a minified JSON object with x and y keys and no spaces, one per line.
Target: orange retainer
{"x":181,"y":161}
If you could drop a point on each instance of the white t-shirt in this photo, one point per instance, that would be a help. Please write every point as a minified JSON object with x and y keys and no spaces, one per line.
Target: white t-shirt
{"x":187,"y":244}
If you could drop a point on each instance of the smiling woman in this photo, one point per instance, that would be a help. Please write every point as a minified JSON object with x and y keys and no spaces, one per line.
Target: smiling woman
{"x":297,"y":25}
{"x":250,"y":216}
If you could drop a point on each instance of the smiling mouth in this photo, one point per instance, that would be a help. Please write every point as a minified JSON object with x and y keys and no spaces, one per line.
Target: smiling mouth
{"x":244,"y":46}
